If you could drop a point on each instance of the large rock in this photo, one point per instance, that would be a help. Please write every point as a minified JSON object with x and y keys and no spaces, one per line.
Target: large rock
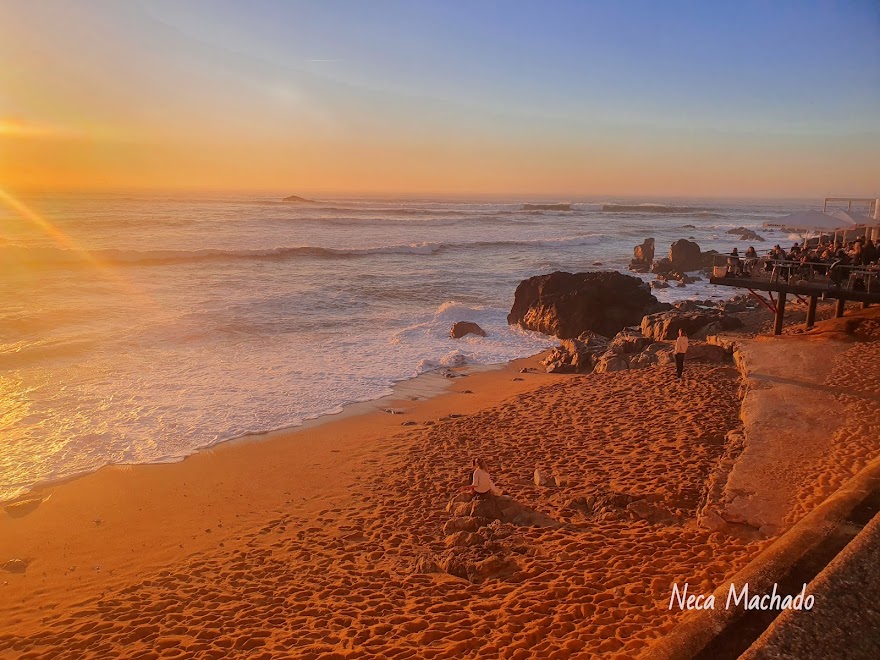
{"x":611,"y":361}
{"x":685,"y":255}
{"x":578,"y":354}
{"x":643,"y":256}
{"x":568,"y":304}
{"x":630,"y":341}
{"x":645,"y":251}
{"x":501,"y":508}
{"x":461,"y":328}
{"x":665,"y":325}
{"x":745,"y":234}
{"x":662,"y":266}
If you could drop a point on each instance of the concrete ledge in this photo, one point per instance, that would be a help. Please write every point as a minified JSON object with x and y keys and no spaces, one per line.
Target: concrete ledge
{"x":699,"y":628}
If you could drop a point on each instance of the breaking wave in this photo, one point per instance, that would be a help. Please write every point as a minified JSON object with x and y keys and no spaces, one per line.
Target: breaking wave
{"x":56,"y":256}
{"x":652,"y":208}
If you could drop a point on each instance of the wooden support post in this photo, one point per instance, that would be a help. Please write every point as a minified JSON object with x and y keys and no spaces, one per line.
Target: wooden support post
{"x":841,"y":305}
{"x":780,"y":313}
{"x":811,"y":312}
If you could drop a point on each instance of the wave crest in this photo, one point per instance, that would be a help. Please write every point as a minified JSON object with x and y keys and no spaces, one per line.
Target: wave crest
{"x":57,"y":256}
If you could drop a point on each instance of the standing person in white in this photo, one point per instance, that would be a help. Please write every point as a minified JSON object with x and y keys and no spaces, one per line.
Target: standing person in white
{"x":681,"y":347}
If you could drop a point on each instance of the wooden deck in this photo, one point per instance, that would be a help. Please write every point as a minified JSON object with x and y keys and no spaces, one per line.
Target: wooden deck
{"x":812,"y":290}
{"x":818,"y":288}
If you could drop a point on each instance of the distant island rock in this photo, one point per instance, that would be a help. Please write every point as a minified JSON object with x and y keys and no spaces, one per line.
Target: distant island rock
{"x":546,"y":207}
{"x":297,"y":198}
{"x":745,"y":234}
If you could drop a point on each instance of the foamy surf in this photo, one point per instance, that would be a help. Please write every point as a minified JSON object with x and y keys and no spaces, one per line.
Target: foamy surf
{"x":178,"y":324}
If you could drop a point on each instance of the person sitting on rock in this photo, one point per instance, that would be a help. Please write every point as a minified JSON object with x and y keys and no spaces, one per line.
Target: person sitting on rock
{"x":482,"y":485}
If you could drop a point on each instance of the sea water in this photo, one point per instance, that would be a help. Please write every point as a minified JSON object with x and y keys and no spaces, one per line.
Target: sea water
{"x":139,"y":328}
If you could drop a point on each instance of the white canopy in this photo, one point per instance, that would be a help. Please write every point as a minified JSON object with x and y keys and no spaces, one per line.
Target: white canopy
{"x":853,"y":218}
{"x":810,"y":221}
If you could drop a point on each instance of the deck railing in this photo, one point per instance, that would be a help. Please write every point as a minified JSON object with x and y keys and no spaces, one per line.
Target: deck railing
{"x":833,"y":274}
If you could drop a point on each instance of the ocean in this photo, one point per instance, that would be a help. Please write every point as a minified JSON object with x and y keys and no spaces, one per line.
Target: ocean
{"x":140,"y":328}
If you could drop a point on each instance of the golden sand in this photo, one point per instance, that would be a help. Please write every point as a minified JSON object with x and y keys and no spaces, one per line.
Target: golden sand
{"x":306,"y":543}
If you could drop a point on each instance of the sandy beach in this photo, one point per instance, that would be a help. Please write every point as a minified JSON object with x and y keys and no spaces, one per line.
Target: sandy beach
{"x":324,"y":541}
{"x":195,"y":557}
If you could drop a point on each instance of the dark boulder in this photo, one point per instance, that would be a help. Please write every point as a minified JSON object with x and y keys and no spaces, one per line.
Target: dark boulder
{"x":745,"y":234}
{"x":685,"y":255}
{"x":461,"y":328}
{"x":662,"y":266}
{"x":568,"y":304}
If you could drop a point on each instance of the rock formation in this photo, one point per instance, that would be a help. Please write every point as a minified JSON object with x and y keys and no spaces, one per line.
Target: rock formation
{"x":643,"y":256}
{"x":685,"y":256}
{"x":461,"y":328}
{"x":568,"y":304}
{"x":579,"y":354}
{"x":745,"y":234}
{"x":501,"y":508}
{"x":645,"y":251}
{"x":297,"y":198}
{"x":666,"y":325}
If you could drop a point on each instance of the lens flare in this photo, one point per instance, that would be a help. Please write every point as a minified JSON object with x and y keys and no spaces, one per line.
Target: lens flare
{"x":66,"y":242}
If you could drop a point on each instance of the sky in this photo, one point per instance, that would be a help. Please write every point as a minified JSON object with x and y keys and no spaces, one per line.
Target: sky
{"x":555,"y":99}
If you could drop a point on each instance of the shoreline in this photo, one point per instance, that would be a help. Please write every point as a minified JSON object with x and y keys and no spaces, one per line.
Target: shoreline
{"x":425,"y":385}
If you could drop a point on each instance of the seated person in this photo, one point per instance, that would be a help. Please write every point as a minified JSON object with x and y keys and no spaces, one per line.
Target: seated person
{"x":733,"y":263}
{"x":482,"y":485}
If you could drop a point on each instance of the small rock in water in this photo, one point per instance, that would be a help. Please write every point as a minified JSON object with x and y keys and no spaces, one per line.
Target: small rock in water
{"x":409,"y":423}
{"x":519,"y":378}
{"x":461,"y":328}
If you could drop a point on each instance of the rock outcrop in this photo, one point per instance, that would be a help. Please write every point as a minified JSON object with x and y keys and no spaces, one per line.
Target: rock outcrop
{"x":665,"y":325}
{"x":501,"y":508}
{"x":461,"y":328}
{"x":479,"y":538}
{"x":685,"y":255}
{"x":297,"y":198}
{"x":568,"y":304}
{"x":745,"y":234}
{"x":630,"y":341}
{"x":576,"y":355}
{"x":645,"y":251}
{"x":643,"y":256}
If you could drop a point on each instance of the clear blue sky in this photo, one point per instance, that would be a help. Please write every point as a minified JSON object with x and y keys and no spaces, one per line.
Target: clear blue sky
{"x":716,"y":63}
